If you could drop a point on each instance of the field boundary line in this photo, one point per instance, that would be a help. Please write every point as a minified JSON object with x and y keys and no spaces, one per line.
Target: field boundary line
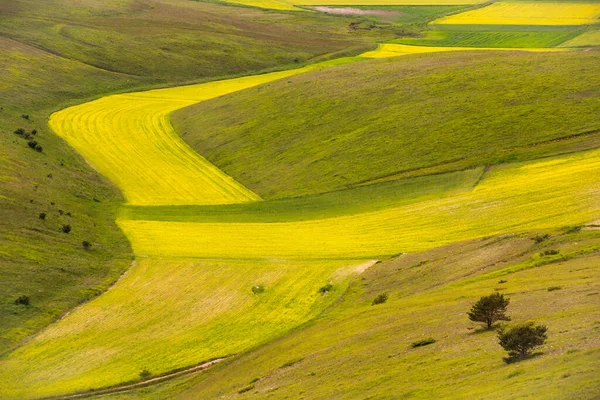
{"x":130,"y":386}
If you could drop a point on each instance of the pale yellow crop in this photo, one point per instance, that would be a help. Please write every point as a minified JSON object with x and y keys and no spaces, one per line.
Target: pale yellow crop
{"x":387,"y":50}
{"x":527,"y":14}
{"x":129,"y":139}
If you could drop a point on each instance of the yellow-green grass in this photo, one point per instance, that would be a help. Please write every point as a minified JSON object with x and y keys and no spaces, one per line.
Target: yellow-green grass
{"x":129,"y":139}
{"x":512,"y":197}
{"x":590,"y":38}
{"x":358,"y":350}
{"x":505,"y":13}
{"x":387,"y":50}
{"x":166,"y":314}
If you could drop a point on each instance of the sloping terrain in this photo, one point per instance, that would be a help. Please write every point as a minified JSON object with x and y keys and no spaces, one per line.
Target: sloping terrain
{"x":413,"y":116}
{"x":57,"y":53}
{"x":358,"y":350}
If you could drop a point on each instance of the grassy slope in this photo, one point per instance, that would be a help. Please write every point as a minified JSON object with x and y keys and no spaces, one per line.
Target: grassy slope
{"x":166,"y":314}
{"x":185,"y":40}
{"x":37,"y":259}
{"x":359,"y":350}
{"x":472,"y":109}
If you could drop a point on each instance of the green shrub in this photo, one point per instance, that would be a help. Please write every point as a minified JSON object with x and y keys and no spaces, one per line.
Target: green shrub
{"x":553,"y":288}
{"x":22,"y":301}
{"x":549,"y":252}
{"x":326,"y":289}
{"x":86,"y":245}
{"x":145,"y":374}
{"x":32,"y":144}
{"x":246,"y":389}
{"x":490,"y":309}
{"x":20,"y":131}
{"x":423,"y":342}
{"x":66,"y":228}
{"x":380,"y":299}
{"x":258,"y":289}
{"x":540,"y":238}
{"x":519,"y":340}
{"x":42,"y":216}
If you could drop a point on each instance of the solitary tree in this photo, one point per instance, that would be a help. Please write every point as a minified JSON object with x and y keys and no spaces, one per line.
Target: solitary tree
{"x":519,"y":340}
{"x":490,"y":309}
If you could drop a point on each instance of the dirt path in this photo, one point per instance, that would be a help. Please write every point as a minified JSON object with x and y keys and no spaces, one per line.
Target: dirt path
{"x":132,"y":386}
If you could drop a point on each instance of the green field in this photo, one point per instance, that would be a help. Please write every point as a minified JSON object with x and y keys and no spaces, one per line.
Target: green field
{"x":491,"y":39}
{"x":223,"y":182}
{"x":466,"y":110}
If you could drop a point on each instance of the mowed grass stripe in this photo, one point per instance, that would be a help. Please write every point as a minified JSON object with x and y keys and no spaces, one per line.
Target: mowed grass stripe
{"x":558,"y":191}
{"x":167,"y":314}
{"x":129,"y":139}
{"x":504,"y":13}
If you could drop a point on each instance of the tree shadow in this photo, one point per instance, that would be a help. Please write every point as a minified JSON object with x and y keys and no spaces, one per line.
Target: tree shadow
{"x":518,"y":358}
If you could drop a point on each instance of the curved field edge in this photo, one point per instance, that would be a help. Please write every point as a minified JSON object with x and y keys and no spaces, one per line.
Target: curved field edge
{"x":176,"y":312}
{"x":557,"y":191}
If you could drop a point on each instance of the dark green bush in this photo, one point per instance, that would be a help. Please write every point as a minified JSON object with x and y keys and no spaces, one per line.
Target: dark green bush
{"x":258,"y":289}
{"x":20,"y":131}
{"x":32,"y":144}
{"x":553,"y":288}
{"x":326,"y":289}
{"x":145,"y":374}
{"x":22,"y":300}
{"x":540,"y":238}
{"x":380,"y":299}
{"x":549,"y":252}
{"x":42,"y":216}
{"x":423,"y":342}
{"x":519,"y":340}
{"x":86,"y":245}
{"x":66,"y":228}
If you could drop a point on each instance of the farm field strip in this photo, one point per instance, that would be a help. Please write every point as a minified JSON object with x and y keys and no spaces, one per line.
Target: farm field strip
{"x":506,"y":39}
{"x":387,"y":50}
{"x":504,"y":13}
{"x":511,"y":198}
{"x":167,"y":314}
{"x":589,"y":38}
{"x":128,"y":138}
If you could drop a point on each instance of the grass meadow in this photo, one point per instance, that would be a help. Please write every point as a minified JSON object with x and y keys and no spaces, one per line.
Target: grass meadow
{"x":473,"y":109}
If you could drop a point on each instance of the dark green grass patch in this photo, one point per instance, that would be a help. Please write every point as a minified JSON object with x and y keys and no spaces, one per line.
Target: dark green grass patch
{"x":491,"y":39}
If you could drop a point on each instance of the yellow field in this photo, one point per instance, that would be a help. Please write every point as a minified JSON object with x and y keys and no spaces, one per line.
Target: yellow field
{"x":387,"y":50}
{"x":167,"y":314}
{"x":528,"y":14}
{"x":128,"y":138}
{"x":511,"y":198}
{"x":271,"y":4}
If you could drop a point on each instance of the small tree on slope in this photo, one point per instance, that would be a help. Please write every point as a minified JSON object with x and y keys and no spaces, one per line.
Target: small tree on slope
{"x":519,"y":340}
{"x":490,"y":309}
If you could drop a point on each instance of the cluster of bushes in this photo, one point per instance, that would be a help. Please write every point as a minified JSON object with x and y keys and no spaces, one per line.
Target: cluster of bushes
{"x":29,"y":137}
